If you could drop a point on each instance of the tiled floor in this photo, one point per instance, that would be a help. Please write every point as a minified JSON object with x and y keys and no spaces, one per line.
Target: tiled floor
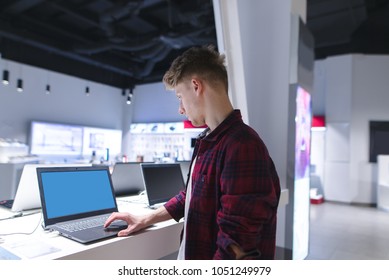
{"x":347,"y":232}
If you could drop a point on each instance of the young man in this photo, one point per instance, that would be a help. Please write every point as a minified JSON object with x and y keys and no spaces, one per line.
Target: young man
{"x":231,"y":199}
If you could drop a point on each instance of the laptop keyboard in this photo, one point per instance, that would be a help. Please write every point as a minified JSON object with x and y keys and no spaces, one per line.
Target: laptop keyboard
{"x":7,"y":203}
{"x":84,"y":224}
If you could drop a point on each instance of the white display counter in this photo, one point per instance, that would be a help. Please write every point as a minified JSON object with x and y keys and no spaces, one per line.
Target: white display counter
{"x":383,"y":182}
{"x":28,"y":240}
{"x":155,"y":242}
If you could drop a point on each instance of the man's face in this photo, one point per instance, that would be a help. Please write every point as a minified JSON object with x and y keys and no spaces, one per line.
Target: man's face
{"x":189,"y":99}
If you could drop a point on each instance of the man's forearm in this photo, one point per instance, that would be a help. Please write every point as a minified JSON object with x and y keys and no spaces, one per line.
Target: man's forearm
{"x":158,"y":215}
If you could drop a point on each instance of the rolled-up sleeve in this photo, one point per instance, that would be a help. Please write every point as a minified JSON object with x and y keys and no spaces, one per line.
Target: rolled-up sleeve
{"x":176,"y":205}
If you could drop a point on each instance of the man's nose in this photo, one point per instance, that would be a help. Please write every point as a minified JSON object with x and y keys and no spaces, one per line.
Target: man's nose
{"x":181,"y":110}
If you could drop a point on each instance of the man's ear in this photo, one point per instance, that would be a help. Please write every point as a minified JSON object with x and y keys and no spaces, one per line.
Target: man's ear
{"x":197,"y":85}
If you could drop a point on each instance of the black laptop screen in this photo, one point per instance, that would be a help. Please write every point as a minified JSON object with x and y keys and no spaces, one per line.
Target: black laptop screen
{"x":162,"y":181}
{"x":76,"y":192}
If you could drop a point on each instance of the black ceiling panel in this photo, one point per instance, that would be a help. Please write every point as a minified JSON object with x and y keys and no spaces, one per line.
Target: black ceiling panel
{"x":117,"y":42}
{"x":349,"y":26}
{"x":128,"y":42}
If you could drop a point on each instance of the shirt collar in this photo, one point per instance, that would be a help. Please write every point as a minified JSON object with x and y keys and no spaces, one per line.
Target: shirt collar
{"x":232,"y":118}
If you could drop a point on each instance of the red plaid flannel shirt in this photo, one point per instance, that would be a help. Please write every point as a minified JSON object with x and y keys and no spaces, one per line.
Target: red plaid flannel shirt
{"x":235,"y":195}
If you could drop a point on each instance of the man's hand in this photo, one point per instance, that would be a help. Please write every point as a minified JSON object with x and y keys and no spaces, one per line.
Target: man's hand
{"x":135,"y":223}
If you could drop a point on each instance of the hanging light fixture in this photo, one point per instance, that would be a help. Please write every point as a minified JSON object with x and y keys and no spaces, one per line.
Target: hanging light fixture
{"x":130,"y":94}
{"x":19,"y":82}
{"x":19,"y":85}
{"x":5,"y":77}
{"x":48,"y":90}
{"x":87,"y":91}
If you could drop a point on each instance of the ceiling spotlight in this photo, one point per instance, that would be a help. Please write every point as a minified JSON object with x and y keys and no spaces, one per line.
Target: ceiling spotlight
{"x":129,"y":99}
{"x":5,"y":77}
{"x":87,"y":91}
{"x":130,"y":94}
{"x":20,"y":85}
{"x":48,"y":89}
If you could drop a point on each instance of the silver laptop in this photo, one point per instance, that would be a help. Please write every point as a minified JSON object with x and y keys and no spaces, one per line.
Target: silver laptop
{"x":162,"y":181}
{"x":76,"y":201}
{"x":27,"y":193}
{"x":127,"y":178}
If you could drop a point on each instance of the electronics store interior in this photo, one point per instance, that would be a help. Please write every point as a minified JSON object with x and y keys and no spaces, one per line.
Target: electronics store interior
{"x":82,"y":90}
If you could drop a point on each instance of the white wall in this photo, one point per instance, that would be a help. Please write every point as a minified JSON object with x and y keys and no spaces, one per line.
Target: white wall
{"x":370,"y":102}
{"x":67,"y":102}
{"x":355,"y":90}
{"x":151,"y":103}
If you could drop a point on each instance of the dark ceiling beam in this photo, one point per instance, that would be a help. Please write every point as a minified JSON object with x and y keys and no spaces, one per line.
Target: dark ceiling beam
{"x":48,"y":28}
{"x":316,"y":15}
{"x":88,"y":47}
{"x":129,"y":46}
{"x":182,"y":38}
{"x":117,"y":42}
{"x":149,"y":67}
{"x":74,"y":12}
{"x":17,"y":7}
{"x":121,"y":10}
{"x":333,"y":23}
{"x":19,"y":36}
{"x":374,"y":5}
{"x":36,"y":57}
{"x":63,"y":33}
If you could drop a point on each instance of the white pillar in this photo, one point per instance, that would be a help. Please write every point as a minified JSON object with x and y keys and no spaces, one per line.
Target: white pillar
{"x":255,"y":36}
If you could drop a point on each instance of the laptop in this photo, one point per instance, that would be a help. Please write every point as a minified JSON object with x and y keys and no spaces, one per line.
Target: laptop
{"x":127,"y":178}
{"x":73,"y":197}
{"x":162,"y":181}
{"x":27,"y":193}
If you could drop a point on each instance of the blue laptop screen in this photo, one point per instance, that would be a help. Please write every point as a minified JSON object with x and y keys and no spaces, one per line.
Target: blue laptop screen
{"x":74,"y":192}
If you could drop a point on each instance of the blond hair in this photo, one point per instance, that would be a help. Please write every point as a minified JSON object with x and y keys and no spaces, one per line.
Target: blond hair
{"x":204,"y":62}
